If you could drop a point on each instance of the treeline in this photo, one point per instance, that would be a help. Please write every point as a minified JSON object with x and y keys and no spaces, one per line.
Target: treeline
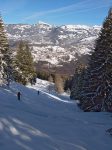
{"x":92,"y":85}
{"x":19,"y":65}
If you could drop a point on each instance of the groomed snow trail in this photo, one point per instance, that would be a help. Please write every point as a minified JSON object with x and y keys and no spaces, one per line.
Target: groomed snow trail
{"x":49,"y":121}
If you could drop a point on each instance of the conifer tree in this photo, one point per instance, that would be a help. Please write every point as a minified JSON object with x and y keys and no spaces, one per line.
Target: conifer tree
{"x":68,"y":84}
{"x":25,"y":70}
{"x":77,"y":81}
{"x":97,"y":90}
{"x":109,"y":101}
{"x":5,"y":55}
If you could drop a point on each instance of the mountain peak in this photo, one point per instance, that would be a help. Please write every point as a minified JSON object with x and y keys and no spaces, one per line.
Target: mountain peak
{"x":43,"y":23}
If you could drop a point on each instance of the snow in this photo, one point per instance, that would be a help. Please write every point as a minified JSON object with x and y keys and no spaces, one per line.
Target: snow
{"x":75,"y":27}
{"x":71,"y":57}
{"x":97,"y":27}
{"x":53,"y":43}
{"x":49,"y":121}
{"x":13,"y":37}
{"x":52,"y":61}
{"x":22,"y":27}
{"x":43,"y":23}
{"x":55,"y":54}
{"x":89,"y":39}
{"x":85,"y":50}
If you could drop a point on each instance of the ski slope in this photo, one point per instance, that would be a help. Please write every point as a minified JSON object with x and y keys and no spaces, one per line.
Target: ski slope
{"x":49,"y":121}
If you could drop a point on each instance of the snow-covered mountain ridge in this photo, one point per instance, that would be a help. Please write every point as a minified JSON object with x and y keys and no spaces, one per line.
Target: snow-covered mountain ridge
{"x":55,"y":44}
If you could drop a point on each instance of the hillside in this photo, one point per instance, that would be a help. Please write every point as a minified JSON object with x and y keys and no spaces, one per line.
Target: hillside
{"x":55,"y":44}
{"x":49,"y":121}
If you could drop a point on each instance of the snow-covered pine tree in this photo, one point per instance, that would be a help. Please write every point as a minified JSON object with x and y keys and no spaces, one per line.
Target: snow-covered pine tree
{"x":77,"y":81}
{"x":24,"y":66}
{"x":5,"y":56}
{"x":97,"y":90}
{"x":109,"y":101}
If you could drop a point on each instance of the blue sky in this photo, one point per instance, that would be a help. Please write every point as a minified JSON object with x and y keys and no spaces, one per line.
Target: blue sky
{"x":58,"y":12}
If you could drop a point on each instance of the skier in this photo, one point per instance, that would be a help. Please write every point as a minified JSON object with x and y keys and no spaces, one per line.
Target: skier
{"x":38,"y":92}
{"x":19,"y":95}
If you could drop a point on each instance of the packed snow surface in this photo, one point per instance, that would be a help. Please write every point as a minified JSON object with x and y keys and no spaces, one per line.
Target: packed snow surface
{"x":49,"y":121}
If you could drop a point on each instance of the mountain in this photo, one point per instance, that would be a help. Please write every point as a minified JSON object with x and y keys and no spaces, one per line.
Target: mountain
{"x":57,"y":45}
{"x":49,"y":121}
